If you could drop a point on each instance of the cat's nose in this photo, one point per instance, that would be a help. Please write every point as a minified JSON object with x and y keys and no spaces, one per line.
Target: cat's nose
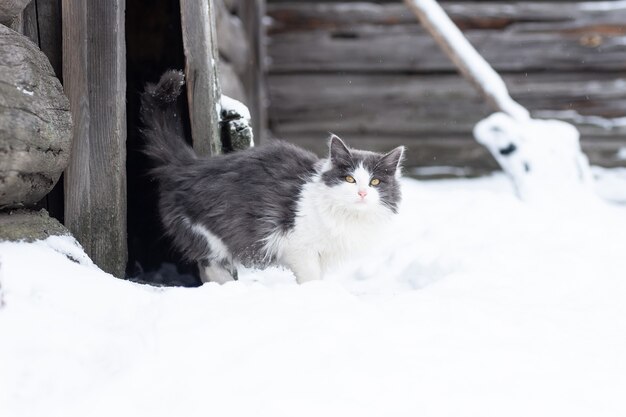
{"x":362,"y":193}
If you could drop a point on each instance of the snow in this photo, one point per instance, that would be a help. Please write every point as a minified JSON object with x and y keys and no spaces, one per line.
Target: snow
{"x":542,"y":157}
{"x":602,"y":6}
{"x":575,"y":117}
{"x":230,"y":104}
{"x":476,"y":304}
{"x":549,"y":147}
{"x":25,"y":91}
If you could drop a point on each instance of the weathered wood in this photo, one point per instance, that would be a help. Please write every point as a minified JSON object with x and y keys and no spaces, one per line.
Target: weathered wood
{"x":465,"y":58}
{"x":11,"y":10}
{"x":42,"y":24}
{"x":516,"y":37}
{"x":49,"y":29}
{"x":231,"y":38}
{"x":393,"y":106}
{"x":453,"y":150}
{"x":29,"y":22}
{"x":252,"y":14}
{"x":203,"y":90}
{"x":230,"y":83}
{"x":35,"y":122}
{"x":411,"y":104}
{"x":94,"y":74}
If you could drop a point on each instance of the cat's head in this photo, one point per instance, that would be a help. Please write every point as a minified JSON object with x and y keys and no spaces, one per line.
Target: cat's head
{"x":362,"y":180}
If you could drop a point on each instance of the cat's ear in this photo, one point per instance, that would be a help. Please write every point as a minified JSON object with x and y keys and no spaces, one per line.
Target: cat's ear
{"x":338,"y":152}
{"x":392,"y":160}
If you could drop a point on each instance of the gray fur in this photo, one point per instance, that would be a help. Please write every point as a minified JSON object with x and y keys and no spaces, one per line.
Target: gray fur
{"x":242,"y":197}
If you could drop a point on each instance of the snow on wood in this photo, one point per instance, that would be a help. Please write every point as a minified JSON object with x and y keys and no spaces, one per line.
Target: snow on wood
{"x":471,"y":64}
{"x":542,"y":157}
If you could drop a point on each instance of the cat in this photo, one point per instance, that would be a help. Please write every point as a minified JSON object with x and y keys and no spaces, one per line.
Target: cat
{"x":276,"y":204}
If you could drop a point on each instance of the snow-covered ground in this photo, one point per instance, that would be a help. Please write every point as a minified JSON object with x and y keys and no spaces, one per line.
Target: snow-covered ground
{"x":477,"y":305}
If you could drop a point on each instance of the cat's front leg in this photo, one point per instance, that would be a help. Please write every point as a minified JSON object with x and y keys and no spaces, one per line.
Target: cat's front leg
{"x":305,"y":266}
{"x":216,"y":271}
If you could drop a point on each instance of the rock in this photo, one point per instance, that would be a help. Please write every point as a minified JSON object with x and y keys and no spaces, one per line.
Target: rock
{"x":35,"y":123}
{"x":28,"y":225}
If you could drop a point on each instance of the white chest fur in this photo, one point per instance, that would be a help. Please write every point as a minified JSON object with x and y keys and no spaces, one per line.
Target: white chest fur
{"x":327,"y":232}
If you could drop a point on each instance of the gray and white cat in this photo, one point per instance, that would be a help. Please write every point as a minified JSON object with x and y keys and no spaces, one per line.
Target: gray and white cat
{"x":276,"y":204}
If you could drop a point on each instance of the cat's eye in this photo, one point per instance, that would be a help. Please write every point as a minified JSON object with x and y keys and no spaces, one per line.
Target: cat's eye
{"x":375,"y":182}
{"x":350,"y":179}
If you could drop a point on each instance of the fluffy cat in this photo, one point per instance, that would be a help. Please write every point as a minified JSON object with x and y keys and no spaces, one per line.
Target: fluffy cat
{"x":276,"y":204}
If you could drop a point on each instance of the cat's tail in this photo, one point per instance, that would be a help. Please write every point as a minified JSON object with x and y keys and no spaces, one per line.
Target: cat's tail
{"x":162,"y":126}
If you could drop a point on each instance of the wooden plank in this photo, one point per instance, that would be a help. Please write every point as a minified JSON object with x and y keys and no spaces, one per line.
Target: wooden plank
{"x":203,"y":90}
{"x":453,"y":150}
{"x":232,"y":41}
{"x":513,"y":37}
{"x":94,"y":73}
{"x":252,"y":13}
{"x":41,"y":21}
{"x":49,"y":28}
{"x":29,"y":22}
{"x":11,"y":13}
{"x":405,"y":104}
{"x":440,"y":106}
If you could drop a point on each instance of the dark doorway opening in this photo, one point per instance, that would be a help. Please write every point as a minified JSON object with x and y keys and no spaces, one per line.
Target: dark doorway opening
{"x":154,"y":44}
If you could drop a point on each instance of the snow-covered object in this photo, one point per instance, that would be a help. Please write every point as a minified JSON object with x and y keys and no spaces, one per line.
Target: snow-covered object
{"x":542,"y":157}
{"x":467,"y":59}
{"x":229,"y":104}
{"x":235,"y":119}
{"x":478,"y":305}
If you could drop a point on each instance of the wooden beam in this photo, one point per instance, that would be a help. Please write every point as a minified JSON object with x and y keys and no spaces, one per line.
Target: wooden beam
{"x":252,"y":13}
{"x":513,"y":37}
{"x":49,"y":27}
{"x":420,"y":108}
{"x":203,"y":90}
{"x":94,"y":74}
{"x":10,"y":13}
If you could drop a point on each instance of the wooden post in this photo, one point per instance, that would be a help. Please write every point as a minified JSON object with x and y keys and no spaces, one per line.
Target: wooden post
{"x":252,"y":13}
{"x":203,"y":90}
{"x":94,"y":74}
{"x":41,"y":23}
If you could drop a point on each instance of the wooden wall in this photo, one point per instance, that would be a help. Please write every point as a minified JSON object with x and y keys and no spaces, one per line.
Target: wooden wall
{"x":367,"y":71}
{"x":240,"y":40}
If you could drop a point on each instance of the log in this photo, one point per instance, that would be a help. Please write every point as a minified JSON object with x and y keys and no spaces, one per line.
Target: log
{"x":11,"y":10}
{"x":513,"y":37}
{"x":35,"y":122}
{"x":406,"y":104}
{"x":94,"y":74}
{"x":389,"y":107}
{"x":203,"y":90}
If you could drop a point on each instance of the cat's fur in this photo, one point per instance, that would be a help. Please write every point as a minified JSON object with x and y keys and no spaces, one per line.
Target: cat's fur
{"x":273,"y":204}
